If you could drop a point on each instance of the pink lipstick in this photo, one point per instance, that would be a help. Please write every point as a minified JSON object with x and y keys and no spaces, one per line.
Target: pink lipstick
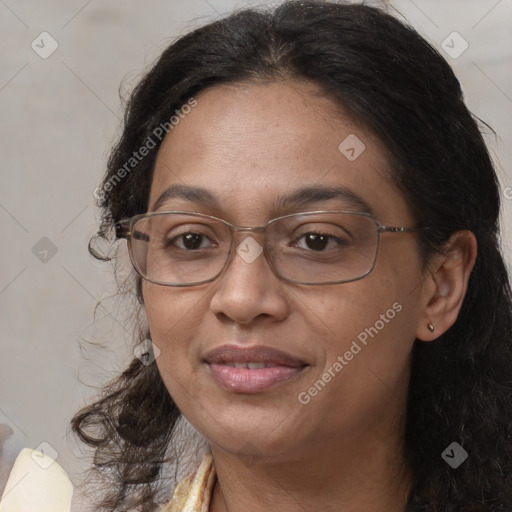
{"x":252,"y":369}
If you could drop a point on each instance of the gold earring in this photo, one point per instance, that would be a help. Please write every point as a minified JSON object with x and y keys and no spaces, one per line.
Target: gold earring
{"x":430,"y":327}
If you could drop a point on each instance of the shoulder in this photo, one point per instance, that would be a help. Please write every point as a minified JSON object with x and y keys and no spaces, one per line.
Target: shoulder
{"x":36,"y":482}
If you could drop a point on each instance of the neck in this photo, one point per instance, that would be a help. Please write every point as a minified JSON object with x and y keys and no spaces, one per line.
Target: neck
{"x":366,"y":474}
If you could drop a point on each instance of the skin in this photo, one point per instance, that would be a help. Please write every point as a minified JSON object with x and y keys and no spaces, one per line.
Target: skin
{"x":248,"y":144}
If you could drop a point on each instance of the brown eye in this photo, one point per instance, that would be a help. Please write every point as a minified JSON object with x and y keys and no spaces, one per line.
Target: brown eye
{"x":189,"y":241}
{"x":316,"y":242}
{"x":319,"y":242}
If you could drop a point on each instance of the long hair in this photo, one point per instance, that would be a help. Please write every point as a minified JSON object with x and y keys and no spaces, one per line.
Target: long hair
{"x":398,"y":86}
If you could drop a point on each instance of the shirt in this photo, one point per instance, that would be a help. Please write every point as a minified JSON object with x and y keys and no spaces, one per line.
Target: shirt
{"x":38,"y":483}
{"x":194,"y":492}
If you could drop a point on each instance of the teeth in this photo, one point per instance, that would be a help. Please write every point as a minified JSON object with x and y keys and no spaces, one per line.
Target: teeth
{"x":255,"y":366}
{"x":250,"y":366}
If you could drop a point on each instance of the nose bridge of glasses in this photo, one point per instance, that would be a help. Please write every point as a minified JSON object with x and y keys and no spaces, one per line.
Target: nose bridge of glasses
{"x":241,"y":233}
{"x":247,"y":244}
{"x":248,"y":229}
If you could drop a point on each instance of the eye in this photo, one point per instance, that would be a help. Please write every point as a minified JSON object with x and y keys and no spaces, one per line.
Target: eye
{"x":190,"y":241}
{"x":319,"y":242}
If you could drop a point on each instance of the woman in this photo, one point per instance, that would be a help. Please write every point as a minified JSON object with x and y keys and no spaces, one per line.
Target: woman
{"x":313,"y":218}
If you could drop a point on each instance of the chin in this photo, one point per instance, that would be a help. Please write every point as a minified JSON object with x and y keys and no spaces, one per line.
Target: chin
{"x":236,"y":428}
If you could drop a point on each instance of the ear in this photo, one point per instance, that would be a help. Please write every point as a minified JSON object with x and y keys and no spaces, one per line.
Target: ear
{"x":446,"y":284}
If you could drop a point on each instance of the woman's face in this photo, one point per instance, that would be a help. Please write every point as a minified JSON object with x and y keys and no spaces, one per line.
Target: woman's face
{"x":344,"y":374}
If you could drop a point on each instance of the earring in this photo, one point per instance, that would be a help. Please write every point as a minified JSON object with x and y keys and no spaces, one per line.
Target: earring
{"x":430,"y":327}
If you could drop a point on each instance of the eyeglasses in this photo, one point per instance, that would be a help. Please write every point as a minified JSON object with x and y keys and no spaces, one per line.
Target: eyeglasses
{"x":176,"y":248}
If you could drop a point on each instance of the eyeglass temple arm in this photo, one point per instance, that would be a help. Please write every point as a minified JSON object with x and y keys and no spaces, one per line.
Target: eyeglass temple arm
{"x":123,"y":231}
{"x":390,"y":229}
{"x":122,"y":228}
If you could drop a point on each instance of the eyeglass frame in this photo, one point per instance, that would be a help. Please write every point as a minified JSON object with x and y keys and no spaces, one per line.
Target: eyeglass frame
{"x":124,"y":227}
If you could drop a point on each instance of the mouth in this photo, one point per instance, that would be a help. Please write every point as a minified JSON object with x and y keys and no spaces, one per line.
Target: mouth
{"x":252,"y":369}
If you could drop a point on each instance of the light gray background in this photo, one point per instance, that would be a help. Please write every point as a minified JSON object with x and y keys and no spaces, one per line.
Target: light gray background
{"x":59,"y":117}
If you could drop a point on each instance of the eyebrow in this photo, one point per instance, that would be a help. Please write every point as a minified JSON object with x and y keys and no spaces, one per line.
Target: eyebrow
{"x":300,"y":197}
{"x":193,"y":194}
{"x":314,"y":194}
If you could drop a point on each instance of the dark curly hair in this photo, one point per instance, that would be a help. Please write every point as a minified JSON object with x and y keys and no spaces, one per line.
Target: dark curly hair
{"x":399,"y":87}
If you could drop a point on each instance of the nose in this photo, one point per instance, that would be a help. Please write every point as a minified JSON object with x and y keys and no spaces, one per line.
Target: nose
{"x":248,"y":288}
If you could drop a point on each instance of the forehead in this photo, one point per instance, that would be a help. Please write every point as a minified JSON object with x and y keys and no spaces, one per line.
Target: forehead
{"x":252,"y":144}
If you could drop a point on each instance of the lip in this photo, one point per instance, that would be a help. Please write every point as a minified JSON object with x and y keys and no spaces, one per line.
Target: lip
{"x":280,"y":367}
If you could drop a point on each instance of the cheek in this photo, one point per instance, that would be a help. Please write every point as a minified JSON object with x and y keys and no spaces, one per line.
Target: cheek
{"x":170,"y":319}
{"x":348,"y":309}
{"x":365,"y":369}
{"x":369,"y":330}
{"x":172,"y":312}
{"x":173,"y":317}
{"x":162,"y":311}
{"x":168,"y":332}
